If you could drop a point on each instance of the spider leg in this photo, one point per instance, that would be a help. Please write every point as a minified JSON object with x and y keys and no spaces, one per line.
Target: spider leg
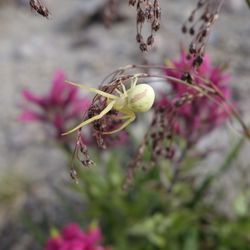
{"x":130,"y":116}
{"x":124,"y":93}
{"x":94,"y":118}
{"x":124,"y":90}
{"x":119,"y":92}
{"x":97,"y":91}
{"x":134,"y":81}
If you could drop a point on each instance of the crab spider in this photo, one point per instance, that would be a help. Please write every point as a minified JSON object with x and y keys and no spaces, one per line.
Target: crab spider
{"x":138,"y":98}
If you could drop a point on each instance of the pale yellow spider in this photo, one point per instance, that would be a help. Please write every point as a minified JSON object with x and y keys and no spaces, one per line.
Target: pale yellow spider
{"x":138,"y":98}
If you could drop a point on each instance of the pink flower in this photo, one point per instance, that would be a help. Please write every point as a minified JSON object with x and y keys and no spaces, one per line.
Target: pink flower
{"x":197,"y":118}
{"x":94,"y":235}
{"x":54,"y":243}
{"x":73,"y":231}
{"x":59,"y":108}
{"x":73,"y":238}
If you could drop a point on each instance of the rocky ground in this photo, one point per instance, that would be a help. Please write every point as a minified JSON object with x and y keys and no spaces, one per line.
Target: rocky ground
{"x":72,"y":39}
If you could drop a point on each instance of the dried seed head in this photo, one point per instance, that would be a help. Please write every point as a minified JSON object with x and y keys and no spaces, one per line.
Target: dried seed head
{"x":143,"y":47}
{"x":39,"y":7}
{"x":110,"y":12}
{"x":139,"y":38}
{"x":147,"y":12}
{"x":184,"y":29}
{"x":192,"y":48}
{"x":191,"y":31}
{"x":200,"y":26}
{"x":197,"y":61}
{"x":132,"y":2}
{"x":150,"y":40}
{"x":187,"y":78}
{"x":74,"y":175}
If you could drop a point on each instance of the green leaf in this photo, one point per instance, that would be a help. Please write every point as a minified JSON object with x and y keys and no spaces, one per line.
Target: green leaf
{"x":248,"y":3}
{"x":191,"y":241}
{"x":240,"y":205}
{"x":54,"y":232}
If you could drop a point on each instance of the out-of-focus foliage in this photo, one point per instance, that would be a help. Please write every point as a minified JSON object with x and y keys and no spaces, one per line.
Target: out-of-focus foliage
{"x":13,"y":191}
{"x":147,"y":216}
{"x":248,"y":3}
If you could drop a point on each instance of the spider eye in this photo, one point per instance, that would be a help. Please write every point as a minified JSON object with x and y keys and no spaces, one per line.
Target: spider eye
{"x":141,"y":98}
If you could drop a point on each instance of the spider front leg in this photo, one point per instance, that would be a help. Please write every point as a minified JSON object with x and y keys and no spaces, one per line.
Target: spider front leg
{"x":97,"y":91}
{"x":129,"y":116}
{"x":124,"y":93}
{"x":94,"y":118}
{"x":134,"y":81}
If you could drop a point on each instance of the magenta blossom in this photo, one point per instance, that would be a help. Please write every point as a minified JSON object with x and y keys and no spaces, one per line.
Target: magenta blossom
{"x":61,"y":107}
{"x":73,"y":238}
{"x":201,"y":115}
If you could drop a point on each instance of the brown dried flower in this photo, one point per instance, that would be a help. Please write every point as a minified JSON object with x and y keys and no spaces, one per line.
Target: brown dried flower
{"x":39,"y":7}
{"x":199,"y":27}
{"x":147,"y":12}
{"x":110,"y":12}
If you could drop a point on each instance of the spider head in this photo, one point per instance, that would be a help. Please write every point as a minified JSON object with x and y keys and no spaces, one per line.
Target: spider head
{"x":141,"y":98}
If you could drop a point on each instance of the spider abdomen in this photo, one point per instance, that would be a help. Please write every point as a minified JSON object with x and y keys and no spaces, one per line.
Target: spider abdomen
{"x":141,"y":98}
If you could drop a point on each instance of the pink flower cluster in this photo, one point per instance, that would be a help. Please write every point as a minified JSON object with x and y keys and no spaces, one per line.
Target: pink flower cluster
{"x":201,"y":115}
{"x":59,"y":108}
{"x":73,"y":238}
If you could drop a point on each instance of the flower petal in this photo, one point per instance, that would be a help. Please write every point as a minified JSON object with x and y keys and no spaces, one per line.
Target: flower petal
{"x":72,"y":231}
{"x":56,"y":92}
{"x":30,"y":116}
{"x":29,"y":96}
{"x":54,"y":244}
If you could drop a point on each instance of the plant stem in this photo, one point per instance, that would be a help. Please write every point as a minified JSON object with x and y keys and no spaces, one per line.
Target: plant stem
{"x":177,"y":167}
